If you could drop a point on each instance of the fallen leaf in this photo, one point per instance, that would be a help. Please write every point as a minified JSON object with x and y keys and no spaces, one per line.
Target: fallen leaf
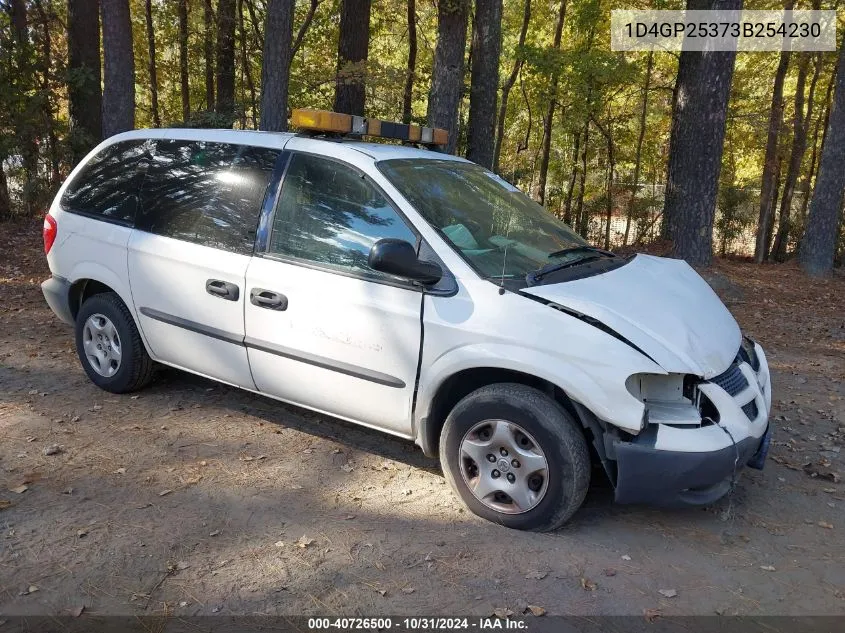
{"x":587,"y":584}
{"x":536,"y":575}
{"x":304,"y":541}
{"x":76,"y":611}
{"x":20,"y":489}
{"x":503,"y":613}
{"x":29,"y":590}
{"x":767,"y":567}
{"x":825,"y":525}
{"x":668,"y":593}
{"x":652,"y":614}
{"x":535,"y":610}
{"x":164,"y":492}
{"x":4,"y":503}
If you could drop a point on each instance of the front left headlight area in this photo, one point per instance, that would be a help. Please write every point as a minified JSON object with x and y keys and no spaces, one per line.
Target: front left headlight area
{"x":672,"y":399}
{"x":735,"y":404}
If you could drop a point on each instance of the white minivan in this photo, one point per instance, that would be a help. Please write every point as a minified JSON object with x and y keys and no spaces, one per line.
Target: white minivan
{"x":416,"y":293}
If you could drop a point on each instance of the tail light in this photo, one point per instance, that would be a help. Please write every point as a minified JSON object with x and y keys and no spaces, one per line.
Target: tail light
{"x":51,"y":229}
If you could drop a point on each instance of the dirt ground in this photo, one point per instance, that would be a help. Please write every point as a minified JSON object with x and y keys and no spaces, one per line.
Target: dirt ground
{"x":194,"y":498}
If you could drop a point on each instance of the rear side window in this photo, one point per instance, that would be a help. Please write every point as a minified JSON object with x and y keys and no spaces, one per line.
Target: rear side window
{"x":108,"y":185}
{"x":206,"y":193}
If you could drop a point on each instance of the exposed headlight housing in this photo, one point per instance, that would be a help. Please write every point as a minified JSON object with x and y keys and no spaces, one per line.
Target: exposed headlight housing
{"x":672,"y":399}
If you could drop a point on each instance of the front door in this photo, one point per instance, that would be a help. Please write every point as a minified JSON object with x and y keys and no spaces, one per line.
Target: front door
{"x":323,"y":329}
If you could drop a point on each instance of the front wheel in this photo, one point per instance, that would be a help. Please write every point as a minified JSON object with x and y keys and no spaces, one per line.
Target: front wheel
{"x":515,"y":457}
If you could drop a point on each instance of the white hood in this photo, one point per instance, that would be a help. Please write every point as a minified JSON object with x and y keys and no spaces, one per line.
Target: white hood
{"x":663,"y":307}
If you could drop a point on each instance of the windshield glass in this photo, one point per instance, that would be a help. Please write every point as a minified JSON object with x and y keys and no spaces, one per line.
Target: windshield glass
{"x":496,"y":227}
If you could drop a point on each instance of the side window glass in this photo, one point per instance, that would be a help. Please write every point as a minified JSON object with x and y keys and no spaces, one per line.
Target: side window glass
{"x":206,"y":193}
{"x":109,"y":183}
{"x":331,"y":214}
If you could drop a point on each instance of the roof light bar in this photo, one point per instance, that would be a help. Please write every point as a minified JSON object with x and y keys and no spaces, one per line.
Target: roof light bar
{"x":336,"y":122}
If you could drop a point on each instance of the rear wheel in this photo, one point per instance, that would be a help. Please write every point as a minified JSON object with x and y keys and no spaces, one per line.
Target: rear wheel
{"x":515,"y":457}
{"x":109,"y":346}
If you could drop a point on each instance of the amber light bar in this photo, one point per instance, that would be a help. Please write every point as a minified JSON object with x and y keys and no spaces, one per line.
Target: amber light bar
{"x":337,"y":122}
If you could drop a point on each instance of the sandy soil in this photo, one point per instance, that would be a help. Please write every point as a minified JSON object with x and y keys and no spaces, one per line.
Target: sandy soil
{"x":194,"y":498}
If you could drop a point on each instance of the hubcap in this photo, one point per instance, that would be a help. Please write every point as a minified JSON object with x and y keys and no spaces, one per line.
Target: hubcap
{"x":101,"y":345}
{"x":503,"y":466}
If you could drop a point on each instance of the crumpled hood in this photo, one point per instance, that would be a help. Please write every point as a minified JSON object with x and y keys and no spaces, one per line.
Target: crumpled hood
{"x":663,"y":307}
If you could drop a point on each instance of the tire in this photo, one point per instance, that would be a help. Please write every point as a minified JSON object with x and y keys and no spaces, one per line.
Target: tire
{"x":134,"y":369}
{"x":516,"y":411}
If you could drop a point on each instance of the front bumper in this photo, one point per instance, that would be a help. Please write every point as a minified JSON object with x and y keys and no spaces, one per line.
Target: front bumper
{"x":683,"y":465}
{"x":57,"y":293}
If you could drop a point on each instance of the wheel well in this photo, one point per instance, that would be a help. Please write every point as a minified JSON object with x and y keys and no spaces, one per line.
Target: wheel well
{"x":461,"y":384}
{"x":82,"y":289}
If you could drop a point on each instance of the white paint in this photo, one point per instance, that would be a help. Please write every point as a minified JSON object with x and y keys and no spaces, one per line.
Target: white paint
{"x":662,"y":306}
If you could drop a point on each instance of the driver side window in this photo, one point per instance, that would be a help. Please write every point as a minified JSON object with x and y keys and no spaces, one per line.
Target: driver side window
{"x":329,"y":213}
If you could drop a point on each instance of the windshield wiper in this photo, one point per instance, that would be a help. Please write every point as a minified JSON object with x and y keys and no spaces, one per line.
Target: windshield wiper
{"x":582,"y":247}
{"x":533,"y":277}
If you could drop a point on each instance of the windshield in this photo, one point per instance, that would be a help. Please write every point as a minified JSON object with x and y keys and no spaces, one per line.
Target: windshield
{"x":496,"y":227}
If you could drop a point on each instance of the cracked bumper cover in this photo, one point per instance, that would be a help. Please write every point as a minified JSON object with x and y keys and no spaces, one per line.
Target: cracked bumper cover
{"x":673,"y":466}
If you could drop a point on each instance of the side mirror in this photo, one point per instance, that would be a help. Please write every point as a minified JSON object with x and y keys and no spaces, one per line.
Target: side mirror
{"x":398,"y":257}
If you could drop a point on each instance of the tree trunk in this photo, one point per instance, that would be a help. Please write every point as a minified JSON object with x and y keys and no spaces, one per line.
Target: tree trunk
{"x":408,"y":93}
{"x":23,"y":86}
{"x":246,"y":65}
{"x":548,"y":119}
{"x":303,"y":28}
{"x":800,"y":126}
{"x":275,"y":69}
{"x":5,"y":200}
{"x":352,"y":49}
{"x":85,"y":98}
{"x":639,"y":151}
{"x":184,"y":86}
{"x":567,"y":206}
{"x":484,"y":84}
{"x":818,"y":141}
{"x":771,"y":163}
{"x":226,"y":20}
{"x":208,"y":53}
{"x":818,"y":246}
{"x":118,"y":68}
{"x":580,"y":214}
{"x":695,"y":148}
{"x":611,"y":166}
{"x":151,"y":45}
{"x":49,"y":116}
{"x":508,"y":85}
{"x":448,"y":75}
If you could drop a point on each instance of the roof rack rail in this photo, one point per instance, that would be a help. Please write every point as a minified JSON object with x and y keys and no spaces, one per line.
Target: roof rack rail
{"x":327,"y":122}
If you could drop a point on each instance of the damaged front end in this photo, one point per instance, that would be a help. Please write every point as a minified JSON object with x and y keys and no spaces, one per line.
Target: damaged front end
{"x":697,"y":433}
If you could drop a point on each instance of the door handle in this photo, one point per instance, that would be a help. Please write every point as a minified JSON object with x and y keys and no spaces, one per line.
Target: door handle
{"x":222,"y":289}
{"x":268,"y":299}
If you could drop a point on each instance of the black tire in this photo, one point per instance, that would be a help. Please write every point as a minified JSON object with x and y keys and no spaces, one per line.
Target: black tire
{"x":557,"y":435}
{"x":136,"y":367}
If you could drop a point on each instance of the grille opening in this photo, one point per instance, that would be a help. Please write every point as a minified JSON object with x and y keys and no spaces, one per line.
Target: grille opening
{"x":750,"y":410}
{"x":732,"y":380}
